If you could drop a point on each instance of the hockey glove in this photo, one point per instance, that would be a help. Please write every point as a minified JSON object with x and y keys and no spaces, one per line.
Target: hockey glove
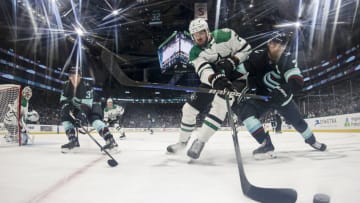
{"x":226,"y":65}
{"x":81,"y":119}
{"x":66,"y":108}
{"x":251,"y":83}
{"x":220,"y":82}
{"x":240,"y":86}
{"x":281,"y":95}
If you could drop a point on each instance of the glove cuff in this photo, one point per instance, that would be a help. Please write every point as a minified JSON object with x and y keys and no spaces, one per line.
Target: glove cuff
{"x":234,"y":61}
{"x":215,"y":77}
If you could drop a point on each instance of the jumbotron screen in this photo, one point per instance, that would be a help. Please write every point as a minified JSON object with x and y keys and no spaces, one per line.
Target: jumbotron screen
{"x":174,"y":51}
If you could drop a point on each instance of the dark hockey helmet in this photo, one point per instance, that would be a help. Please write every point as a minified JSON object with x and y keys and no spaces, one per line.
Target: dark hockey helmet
{"x":280,"y":38}
{"x":75,"y":70}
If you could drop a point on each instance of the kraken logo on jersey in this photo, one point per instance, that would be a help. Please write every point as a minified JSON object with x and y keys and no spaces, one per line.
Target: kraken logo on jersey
{"x":271,"y":80}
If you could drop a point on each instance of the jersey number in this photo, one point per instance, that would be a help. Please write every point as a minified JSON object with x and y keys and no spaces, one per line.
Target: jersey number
{"x":88,"y":94}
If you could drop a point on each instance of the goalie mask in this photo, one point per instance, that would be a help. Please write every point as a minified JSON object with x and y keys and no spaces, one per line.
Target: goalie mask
{"x":198,"y":25}
{"x":27,"y":93}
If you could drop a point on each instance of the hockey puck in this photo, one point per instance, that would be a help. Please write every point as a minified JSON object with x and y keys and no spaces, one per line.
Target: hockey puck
{"x":321,"y":198}
{"x":112,"y":162}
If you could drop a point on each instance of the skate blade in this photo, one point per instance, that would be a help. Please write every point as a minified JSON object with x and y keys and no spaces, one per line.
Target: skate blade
{"x":175,"y":151}
{"x":73,"y":150}
{"x":264,"y":156}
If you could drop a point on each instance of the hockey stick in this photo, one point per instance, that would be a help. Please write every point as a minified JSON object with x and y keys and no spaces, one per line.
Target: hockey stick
{"x":89,"y":131}
{"x":265,"y":195}
{"x":108,"y":59}
{"x":112,"y":162}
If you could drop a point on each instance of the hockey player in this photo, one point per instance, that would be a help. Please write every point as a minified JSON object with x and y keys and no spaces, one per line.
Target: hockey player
{"x":78,"y":99}
{"x":217,"y":57}
{"x":113,"y":115}
{"x":273,"y":122}
{"x":11,"y":120}
{"x":275,"y":73}
{"x":278,"y":121}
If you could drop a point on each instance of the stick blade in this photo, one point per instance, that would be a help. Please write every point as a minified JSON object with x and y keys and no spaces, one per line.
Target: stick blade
{"x":272,"y":195}
{"x":112,"y":162}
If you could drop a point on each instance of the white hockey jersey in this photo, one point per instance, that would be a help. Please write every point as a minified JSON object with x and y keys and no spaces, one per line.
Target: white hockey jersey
{"x":113,"y":113}
{"x":224,"y":43}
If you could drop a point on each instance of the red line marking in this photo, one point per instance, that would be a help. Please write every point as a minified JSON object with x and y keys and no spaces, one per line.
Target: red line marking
{"x":43,"y":195}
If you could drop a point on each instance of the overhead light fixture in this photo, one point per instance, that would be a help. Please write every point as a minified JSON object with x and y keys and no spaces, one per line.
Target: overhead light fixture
{"x":251,"y":4}
{"x":79,"y":31}
{"x":296,"y":24}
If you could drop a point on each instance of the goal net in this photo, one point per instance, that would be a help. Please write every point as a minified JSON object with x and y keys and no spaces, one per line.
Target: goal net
{"x":10,"y":114}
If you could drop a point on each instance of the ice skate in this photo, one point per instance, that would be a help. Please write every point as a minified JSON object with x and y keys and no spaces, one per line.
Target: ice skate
{"x":195,"y":149}
{"x":315,"y":144}
{"x":266,"y":150}
{"x":177,"y":147}
{"x":72,"y":146}
{"x":122,"y":136}
{"x":110,"y":144}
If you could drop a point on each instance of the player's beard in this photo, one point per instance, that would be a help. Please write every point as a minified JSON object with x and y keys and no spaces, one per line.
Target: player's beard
{"x":201,"y":41}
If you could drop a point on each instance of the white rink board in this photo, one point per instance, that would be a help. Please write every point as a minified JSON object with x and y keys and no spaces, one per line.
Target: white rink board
{"x":340,"y":123}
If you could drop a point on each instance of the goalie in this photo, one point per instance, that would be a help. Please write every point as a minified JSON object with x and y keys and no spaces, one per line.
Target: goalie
{"x":113,"y":115}
{"x":11,"y":118}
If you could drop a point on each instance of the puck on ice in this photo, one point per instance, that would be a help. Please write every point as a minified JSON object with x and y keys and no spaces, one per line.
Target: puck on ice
{"x":321,"y":198}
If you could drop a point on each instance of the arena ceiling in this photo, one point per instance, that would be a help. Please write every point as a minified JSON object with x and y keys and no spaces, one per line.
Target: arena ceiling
{"x":47,"y":30}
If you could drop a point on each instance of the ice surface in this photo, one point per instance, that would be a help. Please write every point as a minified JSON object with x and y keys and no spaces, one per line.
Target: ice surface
{"x":41,"y":173}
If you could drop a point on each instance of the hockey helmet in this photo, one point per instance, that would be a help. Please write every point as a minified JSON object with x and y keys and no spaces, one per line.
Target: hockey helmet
{"x":197,"y":25}
{"x":27,"y":92}
{"x":109,"y":100}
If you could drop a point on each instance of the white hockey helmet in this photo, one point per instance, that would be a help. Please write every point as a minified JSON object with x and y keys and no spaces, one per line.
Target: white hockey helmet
{"x":197,"y":25}
{"x":27,"y":92}
{"x":109,"y":100}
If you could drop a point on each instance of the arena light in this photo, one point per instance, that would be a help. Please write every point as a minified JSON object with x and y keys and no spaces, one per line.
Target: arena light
{"x":296,"y":24}
{"x":79,"y":31}
{"x":116,"y":12}
{"x":251,"y":4}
